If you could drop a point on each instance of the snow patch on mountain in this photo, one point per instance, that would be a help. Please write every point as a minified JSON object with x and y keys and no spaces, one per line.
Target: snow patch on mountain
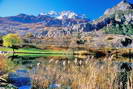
{"x":64,"y":15}
{"x":67,"y":15}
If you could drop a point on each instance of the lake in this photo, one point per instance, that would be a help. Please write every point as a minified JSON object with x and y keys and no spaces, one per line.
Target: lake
{"x":39,"y":64}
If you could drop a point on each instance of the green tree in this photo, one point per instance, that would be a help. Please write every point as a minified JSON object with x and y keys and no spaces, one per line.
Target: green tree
{"x":11,"y":40}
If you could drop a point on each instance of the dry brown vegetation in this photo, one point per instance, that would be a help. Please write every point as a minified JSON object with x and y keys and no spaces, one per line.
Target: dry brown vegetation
{"x":5,"y":65}
{"x":89,"y":76}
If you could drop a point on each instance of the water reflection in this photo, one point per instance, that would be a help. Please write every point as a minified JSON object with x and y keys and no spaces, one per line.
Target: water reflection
{"x":78,"y":58}
{"x":20,"y":78}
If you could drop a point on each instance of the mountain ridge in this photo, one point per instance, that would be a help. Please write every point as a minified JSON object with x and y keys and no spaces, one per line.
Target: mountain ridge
{"x":66,"y":22}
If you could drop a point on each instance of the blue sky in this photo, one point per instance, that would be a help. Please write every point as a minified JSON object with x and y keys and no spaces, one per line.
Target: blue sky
{"x":92,"y":8}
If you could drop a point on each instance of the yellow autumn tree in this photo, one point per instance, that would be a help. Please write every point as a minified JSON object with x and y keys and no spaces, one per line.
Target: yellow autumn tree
{"x":11,"y":40}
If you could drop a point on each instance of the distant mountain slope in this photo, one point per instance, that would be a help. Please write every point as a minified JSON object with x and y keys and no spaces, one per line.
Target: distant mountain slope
{"x":24,"y":23}
{"x":47,"y":17}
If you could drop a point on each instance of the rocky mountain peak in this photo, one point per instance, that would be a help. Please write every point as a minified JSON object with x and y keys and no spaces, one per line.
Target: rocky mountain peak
{"x":122,"y":6}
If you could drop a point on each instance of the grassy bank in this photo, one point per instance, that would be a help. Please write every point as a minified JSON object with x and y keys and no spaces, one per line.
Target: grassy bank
{"x":33,"y":50}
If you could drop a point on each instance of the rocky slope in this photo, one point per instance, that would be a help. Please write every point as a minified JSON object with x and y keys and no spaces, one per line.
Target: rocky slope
{"x":120,"y":14}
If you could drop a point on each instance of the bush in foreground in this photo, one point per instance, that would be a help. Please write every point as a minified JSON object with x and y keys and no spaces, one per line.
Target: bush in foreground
{"x":5,"y":65}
